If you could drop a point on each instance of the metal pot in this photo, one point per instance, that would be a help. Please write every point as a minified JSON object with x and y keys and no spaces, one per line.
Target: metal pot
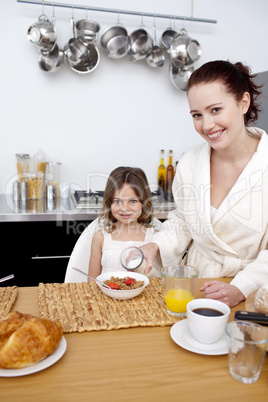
{"x":166,"y":39}
{"x":81,"y":56}
{"x":156,"y":57}
{"x":87,"y":30}
{"x":75,"y":50}
{"x":51,"y":61}
{"x":116,"y":41}
{"x":42,"y":34}
{"x":87,"y":66}
{"x":140,"y":44}
{"x":184,"y":50}
{"x":179,"y":76}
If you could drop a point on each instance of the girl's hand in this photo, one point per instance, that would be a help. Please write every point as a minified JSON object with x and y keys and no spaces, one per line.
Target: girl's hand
{"x":149,"y":250}
{"x":224,"y":292}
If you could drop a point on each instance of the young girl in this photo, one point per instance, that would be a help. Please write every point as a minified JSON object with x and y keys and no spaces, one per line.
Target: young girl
{"x":126,"y":220}
{"x":221,"y":187}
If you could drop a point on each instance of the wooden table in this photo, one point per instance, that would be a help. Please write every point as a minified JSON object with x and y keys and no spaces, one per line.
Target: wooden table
{"x":137,"y":364}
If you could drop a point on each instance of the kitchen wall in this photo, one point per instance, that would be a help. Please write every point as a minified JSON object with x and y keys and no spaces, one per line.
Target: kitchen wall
{"x":122,"y":113}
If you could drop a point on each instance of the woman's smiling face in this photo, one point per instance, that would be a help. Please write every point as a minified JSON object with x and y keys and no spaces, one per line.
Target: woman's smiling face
{"x":218,"y":117}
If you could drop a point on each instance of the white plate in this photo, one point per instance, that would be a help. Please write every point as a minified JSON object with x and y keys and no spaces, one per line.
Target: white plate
{"x":181,"y":335}
{"x":42,"y":365}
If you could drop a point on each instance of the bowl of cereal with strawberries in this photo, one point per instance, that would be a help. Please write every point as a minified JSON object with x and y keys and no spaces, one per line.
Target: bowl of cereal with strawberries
{"x":123,"y":285}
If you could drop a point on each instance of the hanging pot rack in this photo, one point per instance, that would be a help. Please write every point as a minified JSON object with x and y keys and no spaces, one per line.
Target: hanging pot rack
{"x":118,"y":11}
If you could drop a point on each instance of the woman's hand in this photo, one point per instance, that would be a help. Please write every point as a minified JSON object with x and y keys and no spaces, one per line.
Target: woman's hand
{"x":224,"y":292}
{"x":149,"y":250}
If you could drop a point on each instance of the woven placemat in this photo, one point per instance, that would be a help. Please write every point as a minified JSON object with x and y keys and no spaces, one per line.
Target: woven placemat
{"x":83,"y":307}
{"x":8,"y":296}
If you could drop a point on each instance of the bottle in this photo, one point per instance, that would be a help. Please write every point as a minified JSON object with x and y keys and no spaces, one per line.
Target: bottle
{"x":162,"y":174}
{"x":170,"y":175}
{"x":176,"y":165}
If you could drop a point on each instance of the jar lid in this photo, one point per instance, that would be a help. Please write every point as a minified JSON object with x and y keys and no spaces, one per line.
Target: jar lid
{"x":38,"y":176}
{"x":23,"y":156}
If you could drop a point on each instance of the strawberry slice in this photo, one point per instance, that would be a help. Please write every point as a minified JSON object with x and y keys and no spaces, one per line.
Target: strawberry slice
{"x":129,"y":281}
{"x":113,"y":285}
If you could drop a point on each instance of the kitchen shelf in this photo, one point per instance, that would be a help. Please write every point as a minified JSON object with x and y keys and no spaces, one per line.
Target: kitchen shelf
{"x":117,"y":11}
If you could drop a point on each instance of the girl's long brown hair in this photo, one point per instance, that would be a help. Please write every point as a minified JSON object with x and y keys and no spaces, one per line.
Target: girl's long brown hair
{"x":137,"y":179}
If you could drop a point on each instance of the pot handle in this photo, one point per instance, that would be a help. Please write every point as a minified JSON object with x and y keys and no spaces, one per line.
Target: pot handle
{"x":118,"y":23}
{"x":73,"y":26}
{"x":43,"y":17}
{"x":53,"y":17}
{"x":183,"y":32}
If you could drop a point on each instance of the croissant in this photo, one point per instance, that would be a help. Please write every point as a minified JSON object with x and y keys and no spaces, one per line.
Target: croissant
{"x":26,"y":339}
{"x":261,"y":299}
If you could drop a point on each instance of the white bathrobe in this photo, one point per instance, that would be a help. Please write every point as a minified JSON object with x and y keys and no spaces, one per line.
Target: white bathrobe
{"x":234,"y":242}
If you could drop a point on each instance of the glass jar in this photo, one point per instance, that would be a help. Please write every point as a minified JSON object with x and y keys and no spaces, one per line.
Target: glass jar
{"x":23,"y":162}
{"x":53,"y":176}
{"x":35,"y":186}
{"x":40,"y":162}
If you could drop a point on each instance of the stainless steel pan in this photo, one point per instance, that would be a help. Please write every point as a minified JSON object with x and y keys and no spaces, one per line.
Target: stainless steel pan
{"x":179,"y":76}
{"x":82,"y":57}
{"x":140,"y":44}
{"x":75,"y":51}
{"x":116,"y":42}
{"x":184,"y":51}
{"x":88,"y":30}
{"x":42,"y":34}
{"x":166,"y":38}
{"x":156,"y":57}
{"x":87,"y":66}
{"x":52,"y":61}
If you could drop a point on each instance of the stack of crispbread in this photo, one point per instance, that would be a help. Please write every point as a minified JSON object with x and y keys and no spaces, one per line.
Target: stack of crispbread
{"x":8,"y":297}
{"x":83,"y":307}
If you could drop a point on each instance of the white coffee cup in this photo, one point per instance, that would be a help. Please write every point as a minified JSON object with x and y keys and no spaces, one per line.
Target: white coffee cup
{"x":207,"y":329}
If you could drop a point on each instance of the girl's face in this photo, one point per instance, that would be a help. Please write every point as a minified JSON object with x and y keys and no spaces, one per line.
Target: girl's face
{"x":217,"y":115}
{"x":126,"y":207}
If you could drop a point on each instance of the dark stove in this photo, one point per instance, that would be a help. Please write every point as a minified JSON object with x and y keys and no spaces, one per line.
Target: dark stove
{"x":93,"y":200}
{"x":88,"y":199}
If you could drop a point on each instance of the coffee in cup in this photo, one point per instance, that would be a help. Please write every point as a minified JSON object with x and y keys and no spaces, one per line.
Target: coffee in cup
{"x":207,"y":319}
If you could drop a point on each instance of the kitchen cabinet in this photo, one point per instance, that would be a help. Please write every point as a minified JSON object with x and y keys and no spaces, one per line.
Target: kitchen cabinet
{"x":36,"y":243}
{"x":38,"y":251}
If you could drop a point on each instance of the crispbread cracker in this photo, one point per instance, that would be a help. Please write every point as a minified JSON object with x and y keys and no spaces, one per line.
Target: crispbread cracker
{"x":83,"y":307}
{"x":8,"y":297}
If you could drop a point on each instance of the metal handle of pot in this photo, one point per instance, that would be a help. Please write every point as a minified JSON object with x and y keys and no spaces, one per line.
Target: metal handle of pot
{"x":73,"y":26}
{"x":43,"y":17}
{"x":154,"y":34}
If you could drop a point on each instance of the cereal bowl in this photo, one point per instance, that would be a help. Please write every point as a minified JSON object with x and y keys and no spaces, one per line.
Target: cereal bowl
{"x":122,"y":294}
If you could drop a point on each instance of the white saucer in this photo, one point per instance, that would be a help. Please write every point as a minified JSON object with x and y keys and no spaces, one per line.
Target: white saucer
{"x":43,"y":364}
{"x":181,"y":335}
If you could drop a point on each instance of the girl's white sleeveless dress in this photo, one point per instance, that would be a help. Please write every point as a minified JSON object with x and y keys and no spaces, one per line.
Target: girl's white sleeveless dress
{"x":111,"y":251}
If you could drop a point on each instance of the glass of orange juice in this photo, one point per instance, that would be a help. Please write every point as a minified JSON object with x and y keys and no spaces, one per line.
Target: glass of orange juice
{"x":179,"y":285}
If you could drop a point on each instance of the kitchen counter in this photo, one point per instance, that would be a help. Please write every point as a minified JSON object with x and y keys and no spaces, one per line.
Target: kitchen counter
{"x":62,"y":209}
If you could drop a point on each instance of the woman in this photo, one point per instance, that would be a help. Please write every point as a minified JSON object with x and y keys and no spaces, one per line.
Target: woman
{"x":221,"y":187}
